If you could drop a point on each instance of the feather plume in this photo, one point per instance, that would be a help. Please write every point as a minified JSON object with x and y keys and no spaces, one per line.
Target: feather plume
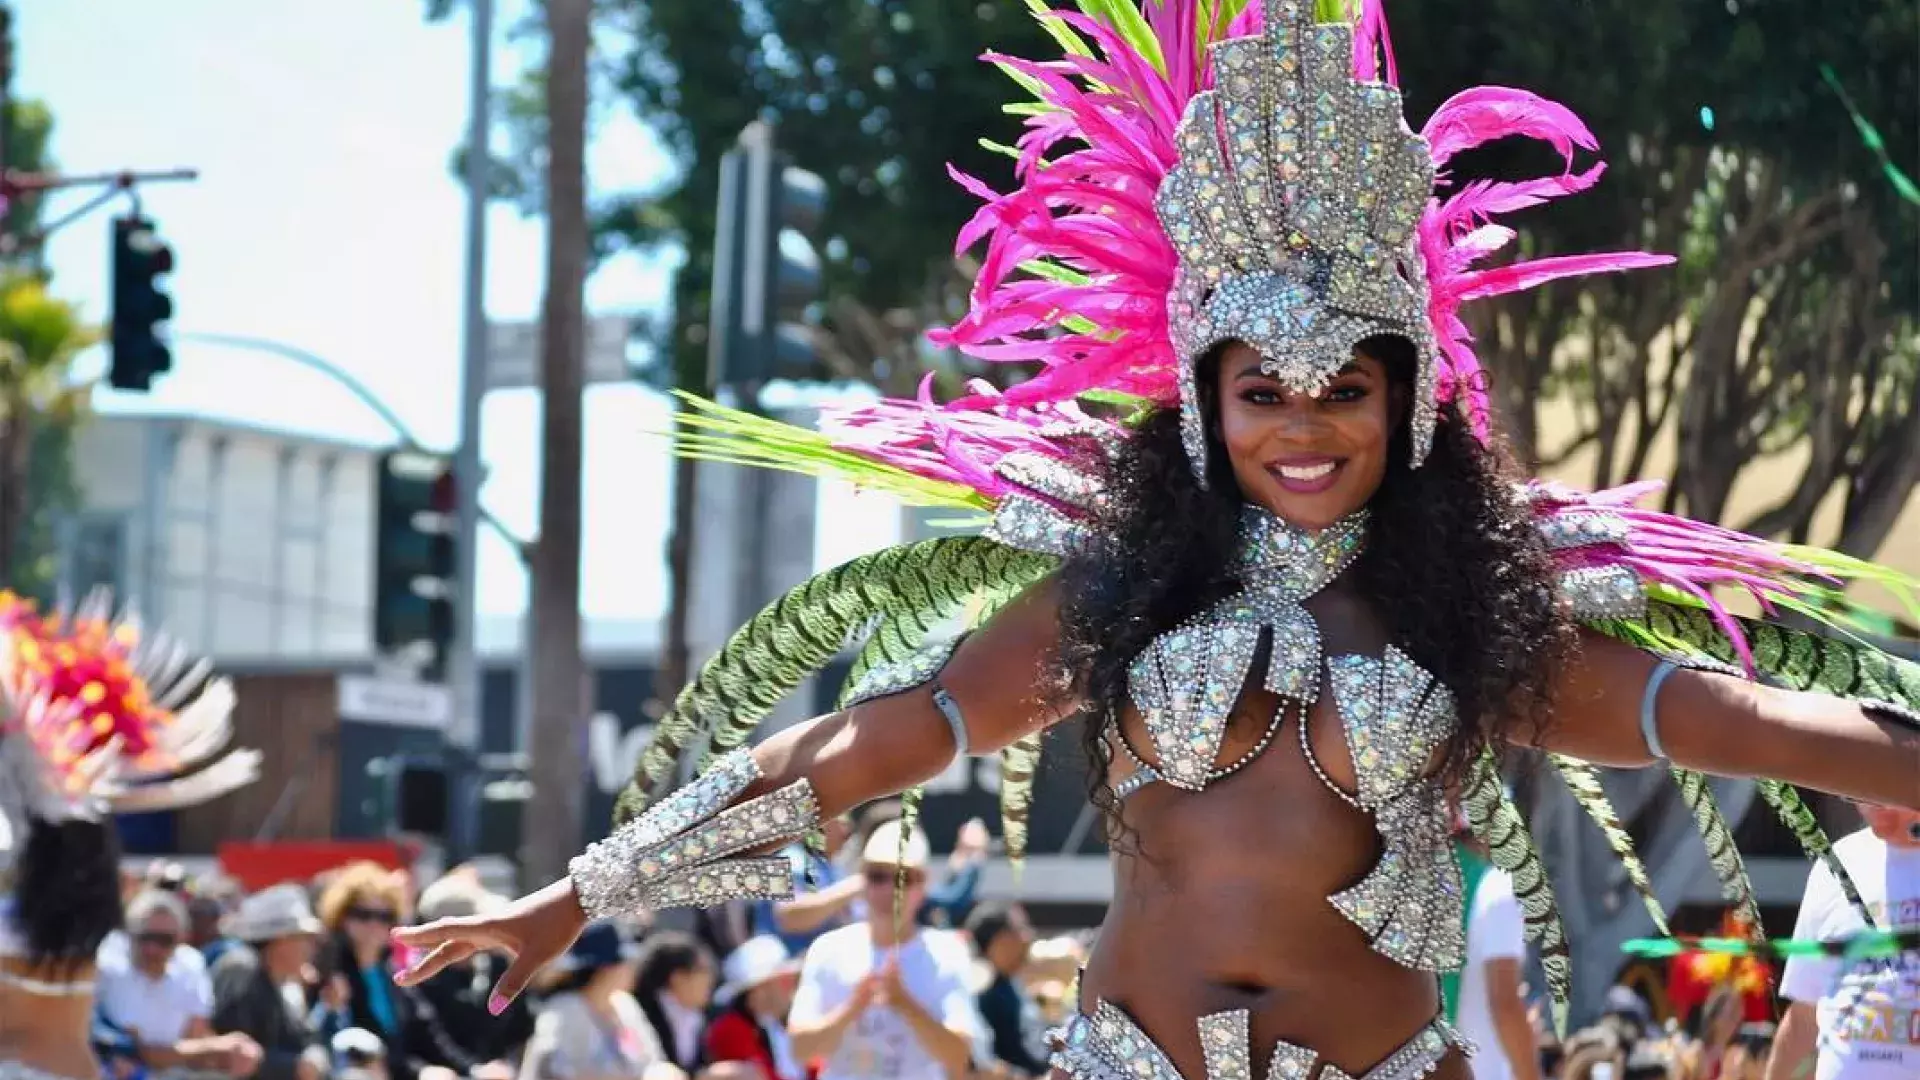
{"x":1499,"y":824}
{"x":1583,"y":780}
{"x":1728,"y":866}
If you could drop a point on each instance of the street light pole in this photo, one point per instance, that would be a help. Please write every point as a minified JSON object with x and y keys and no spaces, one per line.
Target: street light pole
{"x":463,"y":669}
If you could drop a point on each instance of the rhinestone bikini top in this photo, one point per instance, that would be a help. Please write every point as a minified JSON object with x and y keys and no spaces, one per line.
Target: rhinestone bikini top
{"x":1394,"y":715}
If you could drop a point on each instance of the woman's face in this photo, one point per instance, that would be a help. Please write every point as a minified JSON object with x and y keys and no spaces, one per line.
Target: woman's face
{"x":1310,"y":460}
{"x":369,"y":921}
{"x":692,"y":986}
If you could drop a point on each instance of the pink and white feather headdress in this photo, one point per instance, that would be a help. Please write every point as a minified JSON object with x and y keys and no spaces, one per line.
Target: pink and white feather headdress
{"x":99,"y":717}
{"x":1197,"y":172}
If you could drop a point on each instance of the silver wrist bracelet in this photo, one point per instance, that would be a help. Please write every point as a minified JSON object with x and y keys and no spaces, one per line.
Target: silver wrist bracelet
{"x":681,"y":853}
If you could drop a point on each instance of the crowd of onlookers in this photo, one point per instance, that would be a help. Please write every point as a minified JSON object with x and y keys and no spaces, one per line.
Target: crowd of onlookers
{"x":1714,"y":1042}
{"x":883,"y":964}
{"x":296,"y":981}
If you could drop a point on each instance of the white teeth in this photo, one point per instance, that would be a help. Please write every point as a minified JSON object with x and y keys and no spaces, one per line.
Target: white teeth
{"x":1306,"y":472}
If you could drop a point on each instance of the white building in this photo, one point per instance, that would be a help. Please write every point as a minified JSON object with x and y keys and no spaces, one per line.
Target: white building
{"x":256,"y":545}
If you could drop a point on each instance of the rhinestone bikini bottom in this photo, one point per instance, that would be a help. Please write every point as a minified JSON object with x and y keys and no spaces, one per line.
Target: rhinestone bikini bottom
{"x":1109,"y":1046}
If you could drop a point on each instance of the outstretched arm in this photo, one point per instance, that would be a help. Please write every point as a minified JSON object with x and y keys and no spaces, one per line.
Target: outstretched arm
{"x":1728,"y":726}
{"x":999,"y":678}
{"x":1002,"y":682}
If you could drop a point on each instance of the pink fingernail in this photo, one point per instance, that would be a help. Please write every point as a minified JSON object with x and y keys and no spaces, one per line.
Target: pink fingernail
{"x":497,"y":1003}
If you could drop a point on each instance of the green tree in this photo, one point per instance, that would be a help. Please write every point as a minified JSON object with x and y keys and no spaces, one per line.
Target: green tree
{"x":39,"y":337}
{"x":1789,"y":324}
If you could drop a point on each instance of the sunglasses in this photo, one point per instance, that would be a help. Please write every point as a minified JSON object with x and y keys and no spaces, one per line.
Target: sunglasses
{"x":879,"y":878}
{"x":156,"y":939}
{"x":375,"y":915}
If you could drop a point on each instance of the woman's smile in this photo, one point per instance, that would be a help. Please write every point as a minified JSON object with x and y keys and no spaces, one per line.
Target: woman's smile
{"x":1306,"y":474}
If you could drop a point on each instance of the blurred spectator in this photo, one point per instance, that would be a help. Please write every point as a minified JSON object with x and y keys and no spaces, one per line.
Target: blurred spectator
{"x":824,"y":895}
{"x":1627,"y":1007}
{"x":1857,"y":1020}
{"x":1694,"y":976}
{"x":359,"y":910}
{"x":357,"y":1050}
{"x":674,"y":988}
{"x":207,"y":912}
{"x":258,"y":984}
{"x":591,"y":1027}
{"x":1488,"y":1004}
{"x":458,"y":994}
{"x":1004,"y":938}
{"x":1710,"y":1052}
{"x":755,"y":999}
{"x":874,"y":1004}
{"x":949,"y":900}
{"x":154,"y":988}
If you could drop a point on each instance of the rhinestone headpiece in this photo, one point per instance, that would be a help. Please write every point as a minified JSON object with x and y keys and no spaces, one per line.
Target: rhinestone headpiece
{"x":1293,"y":210}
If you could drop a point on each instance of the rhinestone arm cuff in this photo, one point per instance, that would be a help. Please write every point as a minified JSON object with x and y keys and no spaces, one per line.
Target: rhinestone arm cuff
{"x":684,"y":852}
{"x":886,"y":680}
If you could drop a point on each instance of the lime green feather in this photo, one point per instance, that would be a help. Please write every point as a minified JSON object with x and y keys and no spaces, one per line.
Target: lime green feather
{"x":710,"y":431}
{"x":1583,"y":780}
{"x":1500,"y":826}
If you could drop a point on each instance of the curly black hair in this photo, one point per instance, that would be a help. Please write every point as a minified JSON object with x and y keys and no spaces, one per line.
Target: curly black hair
{"x":1452,"y":542}
{"x":66,"y":891}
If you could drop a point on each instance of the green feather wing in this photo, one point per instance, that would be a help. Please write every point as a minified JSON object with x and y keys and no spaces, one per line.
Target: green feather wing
{"x":1798,"y":659}
{"x":1583,"y":780}
{"x":1498,"y":823}
{"x":803,"y":631}
{"x":1728,"y":866}
{"x":1787,"y":805}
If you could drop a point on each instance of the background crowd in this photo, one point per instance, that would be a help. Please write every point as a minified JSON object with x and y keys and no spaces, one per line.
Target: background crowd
{"x":296,"y":982}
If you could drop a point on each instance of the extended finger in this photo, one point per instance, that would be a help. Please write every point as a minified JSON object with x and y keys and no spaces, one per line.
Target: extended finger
{"x":512,"y":983}
{"x":439,"y":932}
{"x":451,"y":952}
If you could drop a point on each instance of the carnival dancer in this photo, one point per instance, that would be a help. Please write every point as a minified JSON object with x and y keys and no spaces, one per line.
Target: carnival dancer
{"x":1251,"y":521}
{"x":97,"y":717}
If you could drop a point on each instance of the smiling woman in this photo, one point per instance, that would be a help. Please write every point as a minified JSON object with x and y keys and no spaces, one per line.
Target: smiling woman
{"x":1251,"y":521}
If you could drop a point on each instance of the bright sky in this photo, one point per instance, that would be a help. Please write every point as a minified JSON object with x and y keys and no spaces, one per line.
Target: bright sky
{"x":326,"y":217}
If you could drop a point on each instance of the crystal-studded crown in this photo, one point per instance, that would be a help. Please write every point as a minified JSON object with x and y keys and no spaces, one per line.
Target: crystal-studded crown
{"x":1293,"y":210}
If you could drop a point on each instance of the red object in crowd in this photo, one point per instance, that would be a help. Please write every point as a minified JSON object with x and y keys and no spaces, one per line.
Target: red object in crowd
{"x":1692,"y":977}
{"x":258,"y":866}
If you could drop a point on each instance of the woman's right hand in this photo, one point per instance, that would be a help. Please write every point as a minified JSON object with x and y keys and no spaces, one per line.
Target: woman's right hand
{"x":534,"y":930}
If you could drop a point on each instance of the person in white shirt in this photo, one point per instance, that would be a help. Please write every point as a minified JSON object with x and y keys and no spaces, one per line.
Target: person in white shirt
{"x":878,"y":1000}
{"x":1492,"y":1011}
{"x":155,"y":986}
{"x":1879,"y":1001}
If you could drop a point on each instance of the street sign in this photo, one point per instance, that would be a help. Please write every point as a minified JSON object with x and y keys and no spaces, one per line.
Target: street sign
{"x":392,"y":701}
{"x":513,"y":352}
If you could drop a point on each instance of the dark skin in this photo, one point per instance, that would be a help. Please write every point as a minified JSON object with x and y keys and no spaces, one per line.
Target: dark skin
{"x":1225,"y":905}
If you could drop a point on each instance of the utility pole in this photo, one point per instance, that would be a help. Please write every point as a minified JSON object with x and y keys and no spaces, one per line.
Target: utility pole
{"x":463,"y":661}
{"x":551,"y":829}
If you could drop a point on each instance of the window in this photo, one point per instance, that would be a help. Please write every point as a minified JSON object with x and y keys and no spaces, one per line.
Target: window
{"x":99,"y":557}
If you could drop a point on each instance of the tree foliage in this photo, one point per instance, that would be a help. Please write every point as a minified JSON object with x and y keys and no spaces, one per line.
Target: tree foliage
{"x":1787,"y":328}
{"x":40,"y":406}
{"x":1789,"y":324}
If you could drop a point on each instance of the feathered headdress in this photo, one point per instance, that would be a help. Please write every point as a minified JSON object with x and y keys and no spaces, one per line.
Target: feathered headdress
{"x":98,"y":717}
{"x":1202,"y":172}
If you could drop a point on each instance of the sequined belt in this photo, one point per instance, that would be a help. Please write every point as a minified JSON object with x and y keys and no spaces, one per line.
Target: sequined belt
{"x":1109,"y":1046}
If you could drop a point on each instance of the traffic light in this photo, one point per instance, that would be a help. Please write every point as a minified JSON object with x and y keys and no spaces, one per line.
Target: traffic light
{"x":766,"y":265}
{"x":414,"y":576}
{"x":140,"y":305}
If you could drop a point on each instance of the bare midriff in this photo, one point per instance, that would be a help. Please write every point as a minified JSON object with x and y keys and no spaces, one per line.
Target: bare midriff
{"x":46,"y":1033}
{"x":1220,"y":903}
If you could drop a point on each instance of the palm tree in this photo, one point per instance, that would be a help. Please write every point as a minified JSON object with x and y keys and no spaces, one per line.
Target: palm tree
{"x":39,"y":338}
{"x":551,"y":826}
